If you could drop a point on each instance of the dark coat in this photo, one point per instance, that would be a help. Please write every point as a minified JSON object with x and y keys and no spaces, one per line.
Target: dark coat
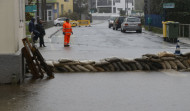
{"x":40,"y":29}
{"x":31,"y":26}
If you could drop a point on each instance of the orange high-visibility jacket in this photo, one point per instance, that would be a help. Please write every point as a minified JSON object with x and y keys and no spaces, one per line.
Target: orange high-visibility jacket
{"x":67,"y":28}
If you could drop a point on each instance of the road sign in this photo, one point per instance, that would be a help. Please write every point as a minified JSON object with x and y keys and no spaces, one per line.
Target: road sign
{"x":30,"y":8}
{"x":169,"y":5}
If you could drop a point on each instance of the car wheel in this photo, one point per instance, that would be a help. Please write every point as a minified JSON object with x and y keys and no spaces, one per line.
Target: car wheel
{"x":139,"y":31}
{"x":116,"y":28}
{"x":113,"y":28}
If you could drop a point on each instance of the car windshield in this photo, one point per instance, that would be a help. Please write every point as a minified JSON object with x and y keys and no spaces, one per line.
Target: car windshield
{"x":133,"y":20}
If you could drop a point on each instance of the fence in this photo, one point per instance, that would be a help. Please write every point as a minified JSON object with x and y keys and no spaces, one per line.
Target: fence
{"x":156,"y":20}
{"x":184,"y":30}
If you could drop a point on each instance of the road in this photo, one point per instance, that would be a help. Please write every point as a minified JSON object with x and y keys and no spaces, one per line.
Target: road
{"x":124,"y":91}
{"x":166,"y":90}
{"x":98,"y":42}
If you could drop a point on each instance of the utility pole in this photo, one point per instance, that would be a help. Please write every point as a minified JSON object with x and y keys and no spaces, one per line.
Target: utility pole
{"x":127,"y":8}
{"x":45,"y":11}
{"x":37,"y":3}
{"x":80,"y":6}
{"x":42,"y":9}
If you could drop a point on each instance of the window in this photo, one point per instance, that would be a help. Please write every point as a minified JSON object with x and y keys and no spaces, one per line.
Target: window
{"x":119,"y":9}
{"x":69,"y":11}
{"x":66,"y":0}
{"x":117,"y":1}
{"x":133,"y":20}
{"x":62,"y":8}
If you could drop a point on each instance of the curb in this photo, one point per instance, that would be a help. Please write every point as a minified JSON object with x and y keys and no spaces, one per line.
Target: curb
{"x":54,"y":33}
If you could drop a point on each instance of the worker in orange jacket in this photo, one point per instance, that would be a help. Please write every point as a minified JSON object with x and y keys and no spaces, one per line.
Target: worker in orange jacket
{"x":67,"y":31}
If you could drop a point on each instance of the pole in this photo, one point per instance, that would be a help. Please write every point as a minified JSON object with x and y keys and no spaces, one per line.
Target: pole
{"x":112,"y":6}
{"x":149,"y":15}
{"x":127,"y":7}
{"x":42,"y":9}
{"x":91,"y":6}
{"x":45,"y":11}
{"x":37,"y":3}
{"x":80,"y":8}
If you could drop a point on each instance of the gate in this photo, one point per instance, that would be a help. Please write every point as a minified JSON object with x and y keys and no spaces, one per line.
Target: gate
{"x":184,"y":30}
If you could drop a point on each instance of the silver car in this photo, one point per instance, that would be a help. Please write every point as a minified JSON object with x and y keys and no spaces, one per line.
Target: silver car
{"x":131,"y":24}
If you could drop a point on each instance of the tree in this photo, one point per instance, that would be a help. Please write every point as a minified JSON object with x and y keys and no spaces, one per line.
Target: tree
{"x":80,"y":7}
{"x":122,"y":13}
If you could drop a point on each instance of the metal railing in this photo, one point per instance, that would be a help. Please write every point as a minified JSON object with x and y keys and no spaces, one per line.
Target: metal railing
{"x":184,"y":30}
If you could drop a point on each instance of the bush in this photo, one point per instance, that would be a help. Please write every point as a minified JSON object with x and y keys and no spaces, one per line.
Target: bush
{"x":28,"y":16}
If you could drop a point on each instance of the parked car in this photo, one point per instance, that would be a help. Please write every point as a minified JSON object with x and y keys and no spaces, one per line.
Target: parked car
{"x":117,"y":22}
{"x":132,"y":24}
{"x":60,"y":21}
{"x":110,"y":21}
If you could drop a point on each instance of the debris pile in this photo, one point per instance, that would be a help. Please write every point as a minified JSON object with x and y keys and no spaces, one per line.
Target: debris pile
{"x":148,"y":62}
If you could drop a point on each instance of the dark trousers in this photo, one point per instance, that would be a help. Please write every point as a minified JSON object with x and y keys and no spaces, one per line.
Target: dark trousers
{"x":36,"y":35}
{"x":41,"y":40}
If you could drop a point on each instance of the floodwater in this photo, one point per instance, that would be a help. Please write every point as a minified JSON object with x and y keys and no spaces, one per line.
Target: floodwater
{"x":124,"y":91}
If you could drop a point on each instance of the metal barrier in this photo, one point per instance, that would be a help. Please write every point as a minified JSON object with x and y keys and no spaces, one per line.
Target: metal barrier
{"x":184,"y":30}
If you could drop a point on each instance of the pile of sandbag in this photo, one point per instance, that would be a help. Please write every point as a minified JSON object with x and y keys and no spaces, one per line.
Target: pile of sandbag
{"x":148,"y":62}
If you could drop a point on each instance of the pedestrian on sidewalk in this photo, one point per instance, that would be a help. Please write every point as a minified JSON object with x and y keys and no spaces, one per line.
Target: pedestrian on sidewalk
{"x":67,"y":31}
{"x":41,"y":30}
{"x":33,"y":31}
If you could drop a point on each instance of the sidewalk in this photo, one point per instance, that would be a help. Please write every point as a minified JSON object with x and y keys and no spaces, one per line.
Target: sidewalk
{"x":182,"y":40}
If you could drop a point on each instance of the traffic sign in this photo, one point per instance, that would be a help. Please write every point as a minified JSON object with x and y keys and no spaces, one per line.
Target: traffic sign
{"x":169,"y":5}
{"x":30,"y":8}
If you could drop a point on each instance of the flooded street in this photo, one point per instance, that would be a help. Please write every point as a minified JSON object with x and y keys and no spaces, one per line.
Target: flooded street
{"x":134,"y":91}
{"x":117,"y":91}
{"x":99,"y":42}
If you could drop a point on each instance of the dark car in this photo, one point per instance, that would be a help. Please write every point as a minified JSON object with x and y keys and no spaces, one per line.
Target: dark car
{"x":117,"y":22}
{"x":110,"y":21}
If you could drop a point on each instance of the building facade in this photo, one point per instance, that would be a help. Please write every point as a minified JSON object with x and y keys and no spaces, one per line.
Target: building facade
{"x":112,"y":6}
{"x":56,"y":8}
{"x":12,"y":30}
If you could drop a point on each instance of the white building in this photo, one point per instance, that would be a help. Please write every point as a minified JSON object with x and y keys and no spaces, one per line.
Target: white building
{"x":122,"y":4}
{"x":114,"y":6}
{"x":12,"y":30}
